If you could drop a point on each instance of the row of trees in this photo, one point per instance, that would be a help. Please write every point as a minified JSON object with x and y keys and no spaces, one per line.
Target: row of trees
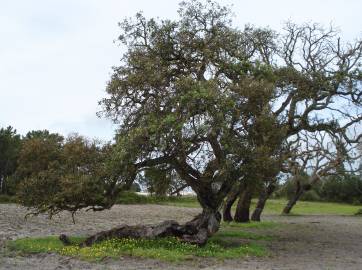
{"x":48,"y":166}
{"x":345,"y":188}
{"x":229,"y":110}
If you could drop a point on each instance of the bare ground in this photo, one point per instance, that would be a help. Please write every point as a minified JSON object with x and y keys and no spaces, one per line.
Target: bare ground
{"x":304,"y":242}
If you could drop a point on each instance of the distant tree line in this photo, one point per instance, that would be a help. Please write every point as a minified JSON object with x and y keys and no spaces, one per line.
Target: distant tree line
{"x":345,"y":188}
{"x":41,"y":153}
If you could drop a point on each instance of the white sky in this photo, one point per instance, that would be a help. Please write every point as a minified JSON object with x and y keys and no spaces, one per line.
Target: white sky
{"x":56,"y":55}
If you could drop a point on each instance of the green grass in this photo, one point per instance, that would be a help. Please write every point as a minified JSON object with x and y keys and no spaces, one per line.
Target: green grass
{"x":7,"y":199}
{"x":251,"y":225}
{"x":273,"y":206}
{"x":312,"y":208}
{"x":230,"y":242}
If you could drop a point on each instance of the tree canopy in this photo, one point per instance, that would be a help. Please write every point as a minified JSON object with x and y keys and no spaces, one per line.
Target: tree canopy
{"x":219,"y":105}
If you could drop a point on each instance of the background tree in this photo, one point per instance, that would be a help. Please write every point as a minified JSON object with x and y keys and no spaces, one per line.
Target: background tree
{"x":68,"y":176}
{"x":10,"y":143}
{"x":162,"y":181}
{"x":317,"y":86}
{"x":158,"y":181}
{"x":40,"y":151}
{"x":318,"y":155}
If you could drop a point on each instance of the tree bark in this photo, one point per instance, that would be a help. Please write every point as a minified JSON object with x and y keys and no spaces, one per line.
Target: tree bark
{"x":263,"y":197}
{"x":197,"y":231}
{"x":242,"y":212}
{"x":292,"y":201}
{"x":300,"y":190}
{"x":230,"y":200}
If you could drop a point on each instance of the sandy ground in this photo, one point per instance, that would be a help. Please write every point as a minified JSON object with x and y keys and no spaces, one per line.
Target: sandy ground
{"x":304,"y":242}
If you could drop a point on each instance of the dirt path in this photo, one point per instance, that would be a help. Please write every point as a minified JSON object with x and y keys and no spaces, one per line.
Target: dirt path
{"x":305,"y":242}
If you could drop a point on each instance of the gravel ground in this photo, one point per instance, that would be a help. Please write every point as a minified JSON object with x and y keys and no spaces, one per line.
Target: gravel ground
{"x":305,"y":242}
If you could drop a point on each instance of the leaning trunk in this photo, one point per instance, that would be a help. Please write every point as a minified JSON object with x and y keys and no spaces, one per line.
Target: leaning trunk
{"x":242,"y":212}
{"x":264,"y":196}
{"x":293,"y":201}
{"x":230,"y":200}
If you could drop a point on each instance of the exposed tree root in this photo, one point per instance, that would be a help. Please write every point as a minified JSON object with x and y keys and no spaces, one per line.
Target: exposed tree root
{"x":196,"y":231}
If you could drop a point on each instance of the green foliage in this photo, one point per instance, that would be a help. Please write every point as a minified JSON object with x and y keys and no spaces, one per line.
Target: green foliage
{"x":346,"y":189}
{"x":63,"y":176}
{"x":224,"y":245}
{"x":40,"y":151}
{"x":10,"y":144}
{"x":157,"y":180}
{"x":200,"y":97}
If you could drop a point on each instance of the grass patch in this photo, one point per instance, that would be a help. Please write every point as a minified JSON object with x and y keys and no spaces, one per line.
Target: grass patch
{"x":273,"y":206}
{"x":312,"y":208}
{"x":7,"y":199}
{"x":252,"y":225}
{"x":228,"y":243}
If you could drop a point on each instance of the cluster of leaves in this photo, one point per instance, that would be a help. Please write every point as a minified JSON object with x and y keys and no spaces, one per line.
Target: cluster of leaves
{"x":62,"y":174}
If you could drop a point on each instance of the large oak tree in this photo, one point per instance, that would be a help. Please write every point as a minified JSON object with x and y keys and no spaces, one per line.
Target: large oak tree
{"x":219,"y":105}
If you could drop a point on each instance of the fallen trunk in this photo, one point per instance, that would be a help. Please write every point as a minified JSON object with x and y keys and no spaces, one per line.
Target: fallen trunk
{"x":196,"y":231}
{"x":263,"y":197}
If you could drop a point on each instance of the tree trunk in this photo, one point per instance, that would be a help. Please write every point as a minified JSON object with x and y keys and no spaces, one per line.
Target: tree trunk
{"x":230,"y":200}
{"x":1,"y":184}
{"x":196,"y":231}
{"x":292,"y":201}
{"x":242,"y":212}
{"x":263,"y":197}
{"x":300,"y":190}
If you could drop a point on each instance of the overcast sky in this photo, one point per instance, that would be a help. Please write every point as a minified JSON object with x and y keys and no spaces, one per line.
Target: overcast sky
{"x":56,"y":55}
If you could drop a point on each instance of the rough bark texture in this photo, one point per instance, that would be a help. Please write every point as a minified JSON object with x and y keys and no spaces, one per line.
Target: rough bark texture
{"x":242,"y":213}
{"x":196,"y":231}
{"x":230,"y":200}
{"x":300,"y":190}
{"x":292,"y":201}
{"x":263,"y":197}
